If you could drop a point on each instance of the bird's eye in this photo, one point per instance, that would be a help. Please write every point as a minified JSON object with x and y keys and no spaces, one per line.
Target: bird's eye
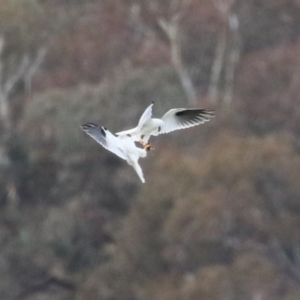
{"x":159,"y":129}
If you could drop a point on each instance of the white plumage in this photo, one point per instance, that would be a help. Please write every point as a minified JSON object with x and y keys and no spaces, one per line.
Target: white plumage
{"x":174,"y":119}
{"x":124,"y":148}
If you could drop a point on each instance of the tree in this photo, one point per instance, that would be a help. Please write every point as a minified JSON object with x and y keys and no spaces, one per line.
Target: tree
{"x":12,"y":71}
{"x":229,"y":33}
{"x":165,"y":18}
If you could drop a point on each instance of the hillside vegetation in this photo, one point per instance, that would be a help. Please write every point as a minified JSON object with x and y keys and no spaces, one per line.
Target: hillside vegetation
{"x":218,"y":217}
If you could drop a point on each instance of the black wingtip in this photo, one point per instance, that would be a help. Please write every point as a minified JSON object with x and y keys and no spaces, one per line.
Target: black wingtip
{"x":152,"y":102}
{"x":88,"y":126}
{"x":203,"y":111}
{"x":181,"y":113}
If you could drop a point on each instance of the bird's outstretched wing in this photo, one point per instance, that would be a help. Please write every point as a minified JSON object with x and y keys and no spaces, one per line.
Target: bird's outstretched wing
{"x":135,"y":131}
{"x":180,"y":118}
{"x":105,"y":138}
{"x":124,"y":148}
{"x":147,"y":114}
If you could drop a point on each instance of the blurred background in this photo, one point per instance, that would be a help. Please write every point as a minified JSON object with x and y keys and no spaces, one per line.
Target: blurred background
{"x":219,"y":215}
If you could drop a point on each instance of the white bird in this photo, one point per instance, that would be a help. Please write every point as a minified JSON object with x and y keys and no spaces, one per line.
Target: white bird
{"x":124,"y":148}
{"x":174,"y":119}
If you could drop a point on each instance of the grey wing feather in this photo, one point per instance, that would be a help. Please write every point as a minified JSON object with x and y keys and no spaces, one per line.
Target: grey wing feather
{"x":105,"y":138}
{"x":180,"y":118}
{"x":96,"y":132}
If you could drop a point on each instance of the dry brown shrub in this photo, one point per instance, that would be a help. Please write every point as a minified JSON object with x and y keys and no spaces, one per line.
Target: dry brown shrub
{"x":214,"y":282}
{"x":221,"y":196}
{"x":256,"y":275}
{"x":268,"y":90}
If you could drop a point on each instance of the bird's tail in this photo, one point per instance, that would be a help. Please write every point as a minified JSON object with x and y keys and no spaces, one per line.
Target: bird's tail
{"x":138,"y":169}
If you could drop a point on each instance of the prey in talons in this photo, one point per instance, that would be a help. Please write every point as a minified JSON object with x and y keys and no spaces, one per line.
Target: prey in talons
{"x":148,"y":147}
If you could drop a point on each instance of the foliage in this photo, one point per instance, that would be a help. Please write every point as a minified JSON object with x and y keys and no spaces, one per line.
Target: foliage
{"x":218,"y":217}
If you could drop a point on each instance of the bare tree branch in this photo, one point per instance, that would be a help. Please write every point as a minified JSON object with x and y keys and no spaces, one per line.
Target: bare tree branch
{"x":171,"y":29}
{"x":6,"y":87}
{"x":217,"y":66}
{"x":1,"y":63}
{"x":225,"y":8}
{"x":21,"y":70}
{"x":233,"y":59}
{"x":33,"y":68}
{"x":9,"y":85}
{"x":24,"y":71}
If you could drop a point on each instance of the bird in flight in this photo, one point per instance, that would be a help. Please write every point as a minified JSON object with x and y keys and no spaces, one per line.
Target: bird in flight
{"x":123,"y":143}
{"x":174,"y":119}
{"x":124,"y":148}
